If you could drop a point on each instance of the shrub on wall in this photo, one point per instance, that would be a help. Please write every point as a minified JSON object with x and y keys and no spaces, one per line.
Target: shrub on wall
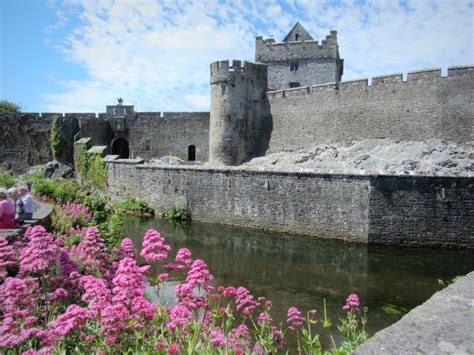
{"x":57,"y":143}
{"x":91,"y":168}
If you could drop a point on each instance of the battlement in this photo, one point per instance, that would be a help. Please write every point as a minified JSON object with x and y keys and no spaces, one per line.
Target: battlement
{"x":382,"y":80}
{"x":267,"y":50}
{"x":222,"y":70}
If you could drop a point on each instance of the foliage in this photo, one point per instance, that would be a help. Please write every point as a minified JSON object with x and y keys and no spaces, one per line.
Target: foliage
{"x":98,"y":206}
{"x":62,"y":191}
{"x":179,"y":212}
{"x":393,"y":309}
{"x":91,"y":167}
{"x":57,"y":143}
{"x":90,"y":299}
{"x":7,"y":180}
{"x":7,"y":106}
{"x":134,"y":205}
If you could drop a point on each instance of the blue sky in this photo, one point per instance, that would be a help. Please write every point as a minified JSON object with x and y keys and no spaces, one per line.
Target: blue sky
{"x":80,"y":55}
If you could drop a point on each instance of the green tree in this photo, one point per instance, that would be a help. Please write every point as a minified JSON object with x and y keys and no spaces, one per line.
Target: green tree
{"x":7,"y":106}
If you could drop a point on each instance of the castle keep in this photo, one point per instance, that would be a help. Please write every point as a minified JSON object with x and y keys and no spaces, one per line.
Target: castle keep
{"x":290,"y":98}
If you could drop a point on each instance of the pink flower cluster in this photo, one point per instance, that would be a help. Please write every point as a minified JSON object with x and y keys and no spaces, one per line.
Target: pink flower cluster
{"x":352,"y":303}
{"x":7,"y":257}
{"x":154,"y":247}
{"x":77,"y":213}
{"x":40,"y":254}
{"x":88,"y":298}
{"x":294,"y":318}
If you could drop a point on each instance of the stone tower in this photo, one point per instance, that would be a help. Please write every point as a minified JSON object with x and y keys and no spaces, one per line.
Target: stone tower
{"x":300,"y":60}
{"x":240,"y":122}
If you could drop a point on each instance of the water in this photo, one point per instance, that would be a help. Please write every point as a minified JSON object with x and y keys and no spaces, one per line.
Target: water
{"x":299,"y":271}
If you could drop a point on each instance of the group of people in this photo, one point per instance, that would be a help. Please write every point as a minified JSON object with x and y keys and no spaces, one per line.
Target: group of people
{"x":16,"y":206}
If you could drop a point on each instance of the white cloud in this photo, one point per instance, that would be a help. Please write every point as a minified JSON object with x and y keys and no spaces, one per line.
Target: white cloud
{"x":156,"y":55}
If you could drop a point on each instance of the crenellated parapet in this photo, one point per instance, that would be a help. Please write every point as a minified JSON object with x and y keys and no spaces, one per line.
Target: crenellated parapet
{"x":267,"y":50}
{"x":394,"y":80}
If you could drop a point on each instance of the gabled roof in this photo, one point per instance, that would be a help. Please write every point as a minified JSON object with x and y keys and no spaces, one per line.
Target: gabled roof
{"x":299,"y":30}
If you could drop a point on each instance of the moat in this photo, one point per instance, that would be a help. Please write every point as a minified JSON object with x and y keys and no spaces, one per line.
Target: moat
{"x":298,"y":271}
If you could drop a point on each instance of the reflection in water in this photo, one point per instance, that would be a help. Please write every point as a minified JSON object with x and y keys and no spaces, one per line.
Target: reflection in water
{"x":299,"y":271}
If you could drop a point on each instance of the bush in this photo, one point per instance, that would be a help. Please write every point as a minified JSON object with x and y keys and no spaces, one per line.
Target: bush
{"x":134,"y":205}
{"x":179,"y":212}
{"x":7,"y":106}
{"x":7,"y":180}
{"x":62,"y":191}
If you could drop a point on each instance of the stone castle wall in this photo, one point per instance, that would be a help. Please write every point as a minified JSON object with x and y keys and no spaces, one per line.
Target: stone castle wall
{"x":425,"y":106}
{"x":169,"y":133}
{"x":25,"y":139}
{"x":402,"y":210}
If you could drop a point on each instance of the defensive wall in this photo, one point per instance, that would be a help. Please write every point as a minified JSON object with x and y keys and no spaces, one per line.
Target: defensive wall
{"x":25,"y":137}
{"x":399,"y":210}
{"x":424,"y":106}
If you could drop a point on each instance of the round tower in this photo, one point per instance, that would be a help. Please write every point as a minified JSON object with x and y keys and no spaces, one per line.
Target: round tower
{"x":237,"y":95}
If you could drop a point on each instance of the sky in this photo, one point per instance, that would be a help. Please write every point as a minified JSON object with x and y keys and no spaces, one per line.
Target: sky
{"x":81,"y":55}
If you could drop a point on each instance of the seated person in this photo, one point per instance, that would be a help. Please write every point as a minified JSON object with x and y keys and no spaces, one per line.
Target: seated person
{"x":28,"y":203}
{"x":7,"y":211}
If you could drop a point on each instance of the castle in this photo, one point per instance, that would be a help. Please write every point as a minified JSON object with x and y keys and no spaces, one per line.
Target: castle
{"x":290,"y":98}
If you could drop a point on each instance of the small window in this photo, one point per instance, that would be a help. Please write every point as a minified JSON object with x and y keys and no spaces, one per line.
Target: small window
{"x":147,"y":145}
{"x":223,"y":87}
{"x":192,"y":153}
{"x":297,"y":36}
{"x":294,"y":66}
{"x":295,"y":85}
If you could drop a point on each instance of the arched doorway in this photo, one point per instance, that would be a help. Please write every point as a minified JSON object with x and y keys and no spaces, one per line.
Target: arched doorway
{"x":192,"y":153}
{"x":120,"y":147}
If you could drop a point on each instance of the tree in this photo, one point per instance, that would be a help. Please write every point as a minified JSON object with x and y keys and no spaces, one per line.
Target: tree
{"x":7,"y":106}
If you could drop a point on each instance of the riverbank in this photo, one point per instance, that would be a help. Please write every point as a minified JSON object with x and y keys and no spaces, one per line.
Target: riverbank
{"x":442,"y":325}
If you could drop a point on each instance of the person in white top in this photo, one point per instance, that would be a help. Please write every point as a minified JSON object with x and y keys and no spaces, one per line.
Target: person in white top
{"x":28,"y":202}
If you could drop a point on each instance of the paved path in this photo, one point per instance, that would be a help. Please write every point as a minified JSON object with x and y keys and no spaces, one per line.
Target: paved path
{"x":42,"y":211}
{"x":442,"y":325}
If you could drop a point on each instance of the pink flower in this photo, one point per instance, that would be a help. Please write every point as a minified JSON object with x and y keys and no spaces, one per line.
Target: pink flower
{"x":92,"y":247}
{"x":58,"y":293}
{"x":217,"y":338}
{"x":163,"y":276}
{"x":180,"y":317}
{"x":114,"y":320}
{"x":186,"y":296}
{"x":7,"y":257}
{"x":228,"y":291}
{"x":127,"y":249}
{"x":40,"y":254}
{"x":154,"y":247}
{"x":294,"y":318}
{"x":73,"y":319}
{"x":173,"y":349}
{"x":143,"y":309}
{"x":244,"y":301}
{"x":199,"y":275}
{"x":265,"y":317}
{"x":67,"y":265}
{"x":352,"y":303}
{"x":128,"y":282}
{"x":96,"y":293}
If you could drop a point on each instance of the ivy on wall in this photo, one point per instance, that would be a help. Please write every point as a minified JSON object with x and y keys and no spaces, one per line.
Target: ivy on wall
{"x":57,"y":143}
{"x":91,"y":168}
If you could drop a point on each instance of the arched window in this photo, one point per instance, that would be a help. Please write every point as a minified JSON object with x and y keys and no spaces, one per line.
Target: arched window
{"x":120,"y":147}
{"x":192,"y":153}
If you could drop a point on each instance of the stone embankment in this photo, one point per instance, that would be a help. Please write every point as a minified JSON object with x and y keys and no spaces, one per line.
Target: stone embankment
{"x":41,"y":215}
{"x":376,"y":156}
{"x":442,"y":325}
